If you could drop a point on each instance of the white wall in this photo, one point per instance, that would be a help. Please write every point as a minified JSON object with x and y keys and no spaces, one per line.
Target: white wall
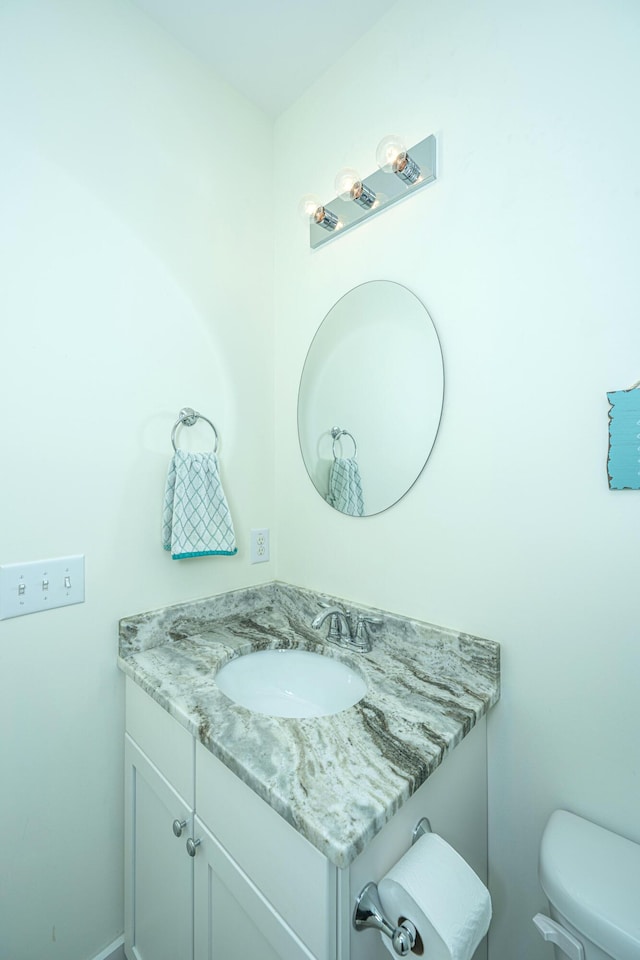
{"x":134,"y":279}
{"x":525,"y":254}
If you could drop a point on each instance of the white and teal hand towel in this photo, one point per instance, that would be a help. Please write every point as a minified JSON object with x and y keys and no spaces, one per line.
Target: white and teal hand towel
{"x":345,"y":487}
{"x":196,"y":521}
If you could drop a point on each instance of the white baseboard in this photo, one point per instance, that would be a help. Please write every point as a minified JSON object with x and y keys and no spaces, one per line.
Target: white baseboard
{"x":115,"y":951}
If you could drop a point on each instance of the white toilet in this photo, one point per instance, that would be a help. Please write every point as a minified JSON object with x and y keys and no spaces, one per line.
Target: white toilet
{"x":592,"y":880}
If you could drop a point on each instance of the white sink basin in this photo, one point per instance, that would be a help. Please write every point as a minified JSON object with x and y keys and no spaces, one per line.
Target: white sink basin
{"x":291,"y":683}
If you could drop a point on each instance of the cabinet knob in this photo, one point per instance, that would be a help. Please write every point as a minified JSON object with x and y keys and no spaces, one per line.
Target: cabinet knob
{"x":178,"y":827}
{"x":192,"y":846}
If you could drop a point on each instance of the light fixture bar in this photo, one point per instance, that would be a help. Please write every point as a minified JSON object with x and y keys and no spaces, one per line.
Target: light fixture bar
{"x":388,"y":188}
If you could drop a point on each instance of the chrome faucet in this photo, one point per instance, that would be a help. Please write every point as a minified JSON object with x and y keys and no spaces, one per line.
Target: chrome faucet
{"x":343,"y":631}
{"x":339,"y":626}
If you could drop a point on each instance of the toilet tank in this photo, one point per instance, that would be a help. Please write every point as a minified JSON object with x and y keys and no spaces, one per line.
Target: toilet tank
{"x":592,"y":877}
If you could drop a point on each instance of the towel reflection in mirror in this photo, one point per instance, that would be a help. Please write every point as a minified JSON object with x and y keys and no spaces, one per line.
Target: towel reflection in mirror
{"x":345,"y":483}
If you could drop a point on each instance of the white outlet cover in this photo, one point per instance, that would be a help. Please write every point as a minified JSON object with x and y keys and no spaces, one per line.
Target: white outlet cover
{"x":259,"y":545}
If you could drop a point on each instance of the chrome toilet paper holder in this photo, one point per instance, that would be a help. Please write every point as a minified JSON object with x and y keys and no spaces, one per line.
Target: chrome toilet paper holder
{"x":369,"y":914}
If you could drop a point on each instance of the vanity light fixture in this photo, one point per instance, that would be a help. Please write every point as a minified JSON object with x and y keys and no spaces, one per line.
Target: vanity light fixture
{"x":349,"y":186}
{"x":313,"y":210}
{"x":361,"y":197}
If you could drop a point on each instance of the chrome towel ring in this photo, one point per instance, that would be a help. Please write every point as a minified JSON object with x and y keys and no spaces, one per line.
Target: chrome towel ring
{"x":336,"y":433}
{"x":188,"y":417}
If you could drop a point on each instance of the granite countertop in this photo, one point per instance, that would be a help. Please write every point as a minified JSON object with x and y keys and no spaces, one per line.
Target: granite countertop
{"x":337,"y":779}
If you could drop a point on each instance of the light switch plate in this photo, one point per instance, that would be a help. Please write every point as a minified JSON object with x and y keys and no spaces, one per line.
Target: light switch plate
{"x":40,"y":585}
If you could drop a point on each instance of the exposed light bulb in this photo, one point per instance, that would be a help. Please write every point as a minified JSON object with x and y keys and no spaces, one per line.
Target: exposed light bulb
{"x":350,"y":186}
{"x":308,"y":206}
{"x":346,"y":183}
{"x":392,"y":157}
{"x":311,"y":208}
{"x":388,"y":151}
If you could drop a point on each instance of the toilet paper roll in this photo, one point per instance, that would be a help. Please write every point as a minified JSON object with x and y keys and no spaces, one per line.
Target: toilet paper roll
{"x":434,"y":888}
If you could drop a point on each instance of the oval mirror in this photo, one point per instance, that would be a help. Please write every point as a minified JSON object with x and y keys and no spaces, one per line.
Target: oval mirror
{"x":370,"y":398}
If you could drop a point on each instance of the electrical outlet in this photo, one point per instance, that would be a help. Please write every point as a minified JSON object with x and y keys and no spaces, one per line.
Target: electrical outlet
{"x":40,"y":585}
{"x":259,"y":546}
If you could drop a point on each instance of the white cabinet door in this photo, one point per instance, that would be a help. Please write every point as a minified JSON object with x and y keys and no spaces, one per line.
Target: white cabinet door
{"x":158,"y":870}
{"x":290,"y":873}
{"x":233,"y":920}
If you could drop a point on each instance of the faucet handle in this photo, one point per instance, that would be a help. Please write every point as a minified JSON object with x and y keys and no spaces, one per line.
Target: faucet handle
{"x":364,"y":631}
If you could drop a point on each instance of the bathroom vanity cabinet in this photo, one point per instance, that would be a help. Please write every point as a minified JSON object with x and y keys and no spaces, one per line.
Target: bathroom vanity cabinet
{"x":287,"y":819}
{"x":256,"y":889}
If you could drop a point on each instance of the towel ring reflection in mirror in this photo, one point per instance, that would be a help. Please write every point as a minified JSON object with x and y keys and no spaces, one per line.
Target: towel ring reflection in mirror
{"x":187,"y":418}
{"x":336,"y":433}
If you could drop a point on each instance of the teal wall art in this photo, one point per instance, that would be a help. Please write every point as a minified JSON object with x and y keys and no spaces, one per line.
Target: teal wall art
{"x":623,"y":464}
